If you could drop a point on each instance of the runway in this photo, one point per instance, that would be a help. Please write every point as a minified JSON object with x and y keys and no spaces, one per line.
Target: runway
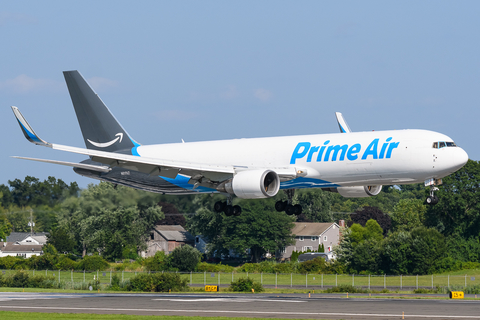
{"x":295,"y":306}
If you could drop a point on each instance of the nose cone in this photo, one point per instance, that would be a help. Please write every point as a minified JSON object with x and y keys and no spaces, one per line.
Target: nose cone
{"x":460,"y":158}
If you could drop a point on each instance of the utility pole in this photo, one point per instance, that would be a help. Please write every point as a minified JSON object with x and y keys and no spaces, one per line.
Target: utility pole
{"x":31,"y":224}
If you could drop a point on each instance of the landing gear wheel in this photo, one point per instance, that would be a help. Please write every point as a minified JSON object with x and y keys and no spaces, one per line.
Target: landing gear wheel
{"x":219,"y":206}
{"x":237,"y":210}
{"x":228,"y":210}
{"x":297,"y":209}
{"x":289,"y":209}
{"x":432,"y":199}
{"x":280,"y":205}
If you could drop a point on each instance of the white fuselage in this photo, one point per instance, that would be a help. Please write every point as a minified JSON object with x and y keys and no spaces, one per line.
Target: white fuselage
{"x":342,"y":159}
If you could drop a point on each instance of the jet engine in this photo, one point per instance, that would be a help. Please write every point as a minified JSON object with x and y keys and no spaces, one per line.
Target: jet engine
{"x":252,"y":184}
{"x":360,"y":191}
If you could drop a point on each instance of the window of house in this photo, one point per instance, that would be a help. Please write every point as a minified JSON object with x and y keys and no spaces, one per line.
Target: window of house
{"x":324,"y":238}
{"x":306,"y":248}
{"x":152,"y":236}
{"x":283,"y":250}
{"x":314,"y":238}
{"x":300,"y":238}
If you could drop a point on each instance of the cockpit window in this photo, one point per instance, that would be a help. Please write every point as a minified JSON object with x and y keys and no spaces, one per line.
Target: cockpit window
{"x":443,"y":144}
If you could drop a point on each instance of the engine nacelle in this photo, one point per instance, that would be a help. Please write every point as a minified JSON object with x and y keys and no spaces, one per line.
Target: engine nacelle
{"x":252,"y":184}
{"x":359,"y":192}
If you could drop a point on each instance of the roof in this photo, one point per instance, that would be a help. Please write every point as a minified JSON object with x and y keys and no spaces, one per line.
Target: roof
{"x":22,"y":249}
{"x":19,"y":236}
{"x":312,"y":228}
{"x":174,"y":233}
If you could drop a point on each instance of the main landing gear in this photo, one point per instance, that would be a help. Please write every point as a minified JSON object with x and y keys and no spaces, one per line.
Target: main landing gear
{"x":227,"y":208}
{"x":287,"y":205}
{"x":432,"y":199}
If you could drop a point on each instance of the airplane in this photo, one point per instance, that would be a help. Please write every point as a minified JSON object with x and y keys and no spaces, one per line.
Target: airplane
{"x":353,"y":164}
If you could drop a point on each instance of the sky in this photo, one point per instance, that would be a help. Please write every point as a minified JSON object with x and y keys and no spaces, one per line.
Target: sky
{"x":212,"y":70}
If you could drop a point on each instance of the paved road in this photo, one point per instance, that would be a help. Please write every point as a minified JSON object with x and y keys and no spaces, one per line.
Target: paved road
{"x":245,"y":305}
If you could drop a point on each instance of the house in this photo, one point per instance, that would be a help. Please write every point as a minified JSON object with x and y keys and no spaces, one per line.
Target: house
{"x":27,"y":238}
{"x":26,"y":251}
{"x":310,"y":235}
{"x":23,"y":244}
{"x":166,"y":238}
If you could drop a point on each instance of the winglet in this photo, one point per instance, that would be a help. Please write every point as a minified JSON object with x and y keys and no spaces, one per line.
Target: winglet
{"x":342,"y":124}
{"x":28,"y":130}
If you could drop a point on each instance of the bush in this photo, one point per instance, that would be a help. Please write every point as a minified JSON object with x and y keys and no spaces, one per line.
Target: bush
{"x":92,"y":263}
{"x":343,"y":288}
{"x":22,"y":279}
{"x":210,"y":267}
{"x":158,"y":262}
{"x":425,"y":290}
{"x":245,"y":285}
{"x":185,"y":258}
{"x":157,"y":282}
{"x":312,"y":266}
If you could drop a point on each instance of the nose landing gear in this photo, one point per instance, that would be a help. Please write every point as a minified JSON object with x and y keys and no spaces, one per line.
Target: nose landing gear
{"x":432,"y":199}
{"x":287,"y":205}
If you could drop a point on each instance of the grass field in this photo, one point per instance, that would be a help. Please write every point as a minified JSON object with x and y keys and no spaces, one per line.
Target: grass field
{"x":459,"y":278}
{"x":80,"y":316}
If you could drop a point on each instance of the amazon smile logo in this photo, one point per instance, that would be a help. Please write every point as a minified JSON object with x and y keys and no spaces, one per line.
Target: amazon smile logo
{"x":119,"y":137}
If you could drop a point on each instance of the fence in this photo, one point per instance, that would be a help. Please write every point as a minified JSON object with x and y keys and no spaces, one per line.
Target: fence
{"x":280,"y":280}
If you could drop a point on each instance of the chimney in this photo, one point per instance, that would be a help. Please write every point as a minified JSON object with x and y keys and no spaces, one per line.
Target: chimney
{"x":341,"y":223}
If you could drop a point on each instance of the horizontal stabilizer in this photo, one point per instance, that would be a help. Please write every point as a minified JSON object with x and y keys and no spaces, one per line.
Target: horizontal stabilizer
{"x":71,"y":164}
{"x":342,"y":124}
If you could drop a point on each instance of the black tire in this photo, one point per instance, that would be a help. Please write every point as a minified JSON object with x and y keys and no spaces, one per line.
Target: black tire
{"x":237,"y":210}
{"x":219,"y":206}
{"x":228,"y":210}
{"x":429,"y":200}
{"x":435,"y":200}
{"x":297,"y":209}
{"x":280,"y":206}
{"x":289,"y":209}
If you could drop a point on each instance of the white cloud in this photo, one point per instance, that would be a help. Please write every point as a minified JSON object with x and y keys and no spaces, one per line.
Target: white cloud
{"x":25,"y":84}
{"x":101,"y":84}
{"x":230,"y":93}
{"x":263,"y":94}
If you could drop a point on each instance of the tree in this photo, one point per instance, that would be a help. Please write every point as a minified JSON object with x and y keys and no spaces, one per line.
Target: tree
{"x":107,"y":219}
{"x":458,"y":211}
{"x":259,"y":229}
{"x":61,"y":240}
{"x":363,"y":214}
{"x":316,"y":205}
{"x":396,"y":257}
{"x":184,"y":258}
{"x":428,"y":248}
{"x":172,"y":216}
{"x":5,"y":227}
{"x":408,"y":214}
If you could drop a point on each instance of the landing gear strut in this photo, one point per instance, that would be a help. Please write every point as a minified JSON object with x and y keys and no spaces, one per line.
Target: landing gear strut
{"x":432,"y":199}
{"x":287,"y":205}
{"x":227,"y":207}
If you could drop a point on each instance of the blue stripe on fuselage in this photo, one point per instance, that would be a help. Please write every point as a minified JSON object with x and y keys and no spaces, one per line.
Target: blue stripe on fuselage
{"x":301,"y":183}
{"x":182,"y":182}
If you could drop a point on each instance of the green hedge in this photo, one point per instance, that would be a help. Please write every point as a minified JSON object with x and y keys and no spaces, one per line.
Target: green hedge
{"x":155,"y":282}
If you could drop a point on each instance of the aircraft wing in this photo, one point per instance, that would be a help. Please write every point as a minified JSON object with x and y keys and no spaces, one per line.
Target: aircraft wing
{"x":152,"y":166}
{"x":70,"y":164}
{"x":342,"y":124}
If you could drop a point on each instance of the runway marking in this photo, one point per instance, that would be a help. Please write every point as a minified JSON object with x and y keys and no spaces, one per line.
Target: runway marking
{"x":225,"y":300}
{"x":246,"y":312}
